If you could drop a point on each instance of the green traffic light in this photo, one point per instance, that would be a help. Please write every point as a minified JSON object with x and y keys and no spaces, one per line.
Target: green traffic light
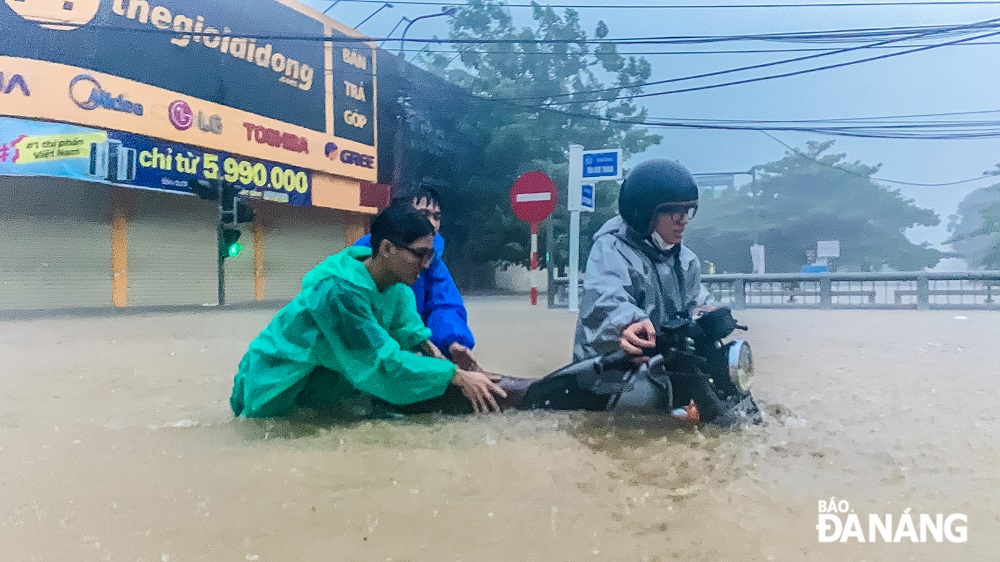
{"x":229,"y":243}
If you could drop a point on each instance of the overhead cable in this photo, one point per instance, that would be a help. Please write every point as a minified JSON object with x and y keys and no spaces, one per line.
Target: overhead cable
{"x":914,"y":3}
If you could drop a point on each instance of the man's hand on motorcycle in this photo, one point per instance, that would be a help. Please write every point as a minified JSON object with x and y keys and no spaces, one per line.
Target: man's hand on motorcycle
{"x":638,"y":337}
{"x":479,"y":389}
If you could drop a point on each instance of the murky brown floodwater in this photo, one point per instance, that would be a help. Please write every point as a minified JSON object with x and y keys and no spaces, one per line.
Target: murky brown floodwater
{"x":117,"y":443}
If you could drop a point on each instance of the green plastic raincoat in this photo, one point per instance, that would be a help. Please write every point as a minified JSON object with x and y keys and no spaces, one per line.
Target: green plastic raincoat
{"x":338,"y":338}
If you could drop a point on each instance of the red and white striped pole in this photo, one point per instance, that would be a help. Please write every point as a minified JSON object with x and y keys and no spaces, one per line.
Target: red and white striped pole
{"x":534,"y":263}
{"x":533,"y":198}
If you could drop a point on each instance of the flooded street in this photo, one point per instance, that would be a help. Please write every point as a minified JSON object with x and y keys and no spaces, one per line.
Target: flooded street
{"x":117,"y":443}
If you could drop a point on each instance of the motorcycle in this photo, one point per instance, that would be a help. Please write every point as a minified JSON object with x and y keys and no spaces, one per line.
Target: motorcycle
{"x":694,"y":374}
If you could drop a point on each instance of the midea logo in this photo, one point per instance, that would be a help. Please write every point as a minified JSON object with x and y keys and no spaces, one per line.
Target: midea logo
{"x":98,"y":97}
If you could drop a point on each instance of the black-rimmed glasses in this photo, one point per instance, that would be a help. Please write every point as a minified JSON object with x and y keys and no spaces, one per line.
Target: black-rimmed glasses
{"x":430,"y":215}
{"x":676,"y":212}
{"x":424,"y":255}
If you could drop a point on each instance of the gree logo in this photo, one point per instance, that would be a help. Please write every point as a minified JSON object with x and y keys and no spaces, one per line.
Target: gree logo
{"x":56,"y":14}
{"x":331,"y":150}
{"x":15,"y":81}
{"x":351,"y":157}
{"x":97,"y":97}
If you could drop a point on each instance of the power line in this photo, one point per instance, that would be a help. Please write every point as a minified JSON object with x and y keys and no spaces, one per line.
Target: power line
{"x":807,"y":70}
{"x":996,"y":133}
{"x":700,"y":52}
{"x":976,"y":25}
{"x":828,"y":36}
{"x":886,"y":180}
{"x":957,"y":130}
{"x":915,"y":131}
{"x":867,"y":120}
{"x":865,"y":132}
{"x":881,"y":44}
{"x":710,"y":6}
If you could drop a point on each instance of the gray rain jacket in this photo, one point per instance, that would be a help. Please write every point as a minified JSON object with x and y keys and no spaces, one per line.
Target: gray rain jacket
{"x":628,"y":280}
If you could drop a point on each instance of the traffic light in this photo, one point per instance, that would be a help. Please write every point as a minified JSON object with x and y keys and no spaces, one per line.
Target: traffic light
{"x":227,"y":204}
{"x":205,"y":189}
{"x":234,"y":209}
{"x":229,"y":245}
{"x":244,"y":212}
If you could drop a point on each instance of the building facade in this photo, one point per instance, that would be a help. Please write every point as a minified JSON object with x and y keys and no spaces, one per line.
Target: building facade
{"x":109,"y":107}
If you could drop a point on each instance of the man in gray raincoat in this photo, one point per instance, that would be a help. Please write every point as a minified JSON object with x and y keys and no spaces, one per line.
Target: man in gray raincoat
{"x":639,"y":273}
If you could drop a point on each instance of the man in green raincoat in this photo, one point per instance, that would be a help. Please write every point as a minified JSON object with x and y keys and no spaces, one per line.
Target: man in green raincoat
{"x":353,"y":330}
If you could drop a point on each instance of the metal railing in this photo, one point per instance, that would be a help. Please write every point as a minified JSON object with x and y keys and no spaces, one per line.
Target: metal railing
{"x":904,"y":290}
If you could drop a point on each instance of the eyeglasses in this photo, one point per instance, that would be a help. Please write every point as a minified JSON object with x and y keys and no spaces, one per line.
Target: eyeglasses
{"x":677,"y":212}
{"x":425,"y":255}
{"x":433,"y":216}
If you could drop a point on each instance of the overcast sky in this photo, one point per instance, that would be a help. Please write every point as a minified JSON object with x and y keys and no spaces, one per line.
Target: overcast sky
{"x":949,"y":79}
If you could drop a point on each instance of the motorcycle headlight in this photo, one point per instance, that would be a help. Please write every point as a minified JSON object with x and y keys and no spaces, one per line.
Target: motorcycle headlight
{"x":741,"y":365}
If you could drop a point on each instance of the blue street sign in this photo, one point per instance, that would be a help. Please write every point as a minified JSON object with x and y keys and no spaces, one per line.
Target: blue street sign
{"x":602,"y":164}
{"x":587,"y":197}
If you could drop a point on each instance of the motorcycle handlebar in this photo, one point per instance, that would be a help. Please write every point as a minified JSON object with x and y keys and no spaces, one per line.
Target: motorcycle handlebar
{"x":618,"y":357}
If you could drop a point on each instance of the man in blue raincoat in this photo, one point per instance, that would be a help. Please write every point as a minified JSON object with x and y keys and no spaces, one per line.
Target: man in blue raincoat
{"x":353,"y":332}
{"x":438,"y":301}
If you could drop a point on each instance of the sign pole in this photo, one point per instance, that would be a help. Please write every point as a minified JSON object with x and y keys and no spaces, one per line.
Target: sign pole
{"x":533,"y":198}
{"x":534,"y":263}
{"x":573,"y":202}
{"x":222,"y":261}
{"x":550,"y":244}
{"x":590,"y":166}
{"x":574,"y":261}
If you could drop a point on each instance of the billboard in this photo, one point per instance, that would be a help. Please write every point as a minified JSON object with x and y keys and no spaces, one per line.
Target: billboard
{"x":353,"y":90}
{"x":265,"y":78}
{"x":35,"y":148}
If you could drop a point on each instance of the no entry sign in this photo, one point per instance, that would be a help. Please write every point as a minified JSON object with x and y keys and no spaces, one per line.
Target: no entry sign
{"x":533,"y":197}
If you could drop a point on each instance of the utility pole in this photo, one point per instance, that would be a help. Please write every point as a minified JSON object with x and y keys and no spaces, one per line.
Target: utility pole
{"x":220,"y":234}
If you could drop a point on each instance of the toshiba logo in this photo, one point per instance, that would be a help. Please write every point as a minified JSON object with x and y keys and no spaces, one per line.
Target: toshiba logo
{"x":276,"y":138}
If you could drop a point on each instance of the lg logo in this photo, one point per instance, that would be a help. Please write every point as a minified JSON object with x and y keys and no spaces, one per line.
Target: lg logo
{"x":210,"y":124}
{"x":182,"y":118}
{"x":181,"y":115}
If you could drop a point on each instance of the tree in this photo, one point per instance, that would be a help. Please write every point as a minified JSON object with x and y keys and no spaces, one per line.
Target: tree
{"x":531,"y":100}
{"x":975,"y":228}
{"x":806,"y":197}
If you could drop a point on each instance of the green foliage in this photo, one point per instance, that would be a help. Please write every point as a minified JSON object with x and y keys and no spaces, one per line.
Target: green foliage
{"x":975,"y":228}
{"x":805,"y":197}
{"x":520,"y":135}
